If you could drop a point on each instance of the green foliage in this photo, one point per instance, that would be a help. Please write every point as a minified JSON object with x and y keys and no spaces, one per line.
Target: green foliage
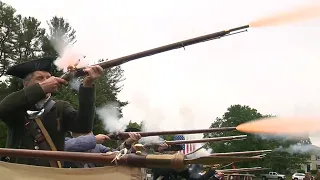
{"x":60,"y":32}
{"x":134,"y":125}
{"x":277,"y":160}
{"x":22,"y":39}
{"x":8,"y":33}
{"x":301,"y":171}
{"x":313,"y":171}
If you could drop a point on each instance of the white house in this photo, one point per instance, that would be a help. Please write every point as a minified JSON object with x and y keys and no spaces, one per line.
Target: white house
{"x":314,"y":162}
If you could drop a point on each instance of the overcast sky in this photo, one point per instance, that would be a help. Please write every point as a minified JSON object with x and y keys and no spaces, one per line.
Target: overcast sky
{"x":275,"y":70}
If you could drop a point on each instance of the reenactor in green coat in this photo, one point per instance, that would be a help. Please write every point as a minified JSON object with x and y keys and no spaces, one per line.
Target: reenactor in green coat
{"x":37,"y":122}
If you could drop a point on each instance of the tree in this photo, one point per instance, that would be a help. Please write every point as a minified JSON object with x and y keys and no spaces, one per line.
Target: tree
{"x":27,"y":46}
{"x":107,"y":87}
{"x":278,"y":161}
{"x":8,"y":32}
{"x":29,"y":39}
{"x":61,"y":34}
{"x":22,"y":39}
{"x":134,"y":125}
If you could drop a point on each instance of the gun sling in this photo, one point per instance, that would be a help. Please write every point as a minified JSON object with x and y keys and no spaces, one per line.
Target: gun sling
{"x":41,"y":136}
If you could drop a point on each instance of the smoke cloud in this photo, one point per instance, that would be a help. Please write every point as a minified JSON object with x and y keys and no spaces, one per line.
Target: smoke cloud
{"x":300,"y":149}
{"x":68,"y":53}
{"x":282,"y":137}
{"x":200,"y":153}
{"x":75,"y":84}
{"x":109,"y":114}
{"x":158,"y":119}
{"x":151,"y":140}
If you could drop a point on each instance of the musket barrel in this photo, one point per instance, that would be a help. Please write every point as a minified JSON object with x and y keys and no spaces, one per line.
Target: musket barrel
{"x":243,"y":170}
{"x":150,"y":161}
{"x":241,"y":153}
{"x":176,"y":161}
{"x":60,"y":155}
{"x":181,"y":44}
{"x":124,"y":135}
{"x":227,"y":138}
{"x":150,"y":52}
{"x":101,"y":158}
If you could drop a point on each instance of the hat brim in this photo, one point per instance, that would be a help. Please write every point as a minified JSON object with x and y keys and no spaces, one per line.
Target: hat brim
{"x":24,"y":69}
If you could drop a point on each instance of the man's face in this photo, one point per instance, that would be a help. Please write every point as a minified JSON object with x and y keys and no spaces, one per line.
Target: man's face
{"x":38,"y":77}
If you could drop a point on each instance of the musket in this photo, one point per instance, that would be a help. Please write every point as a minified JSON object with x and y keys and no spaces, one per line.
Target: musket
{"x":125,"y":135}
{"x":205,"y":140}
{"x":74,"y":72}
{"x":225,"y":171}
{"x":175,"y":161}
{"x":241,"y":153}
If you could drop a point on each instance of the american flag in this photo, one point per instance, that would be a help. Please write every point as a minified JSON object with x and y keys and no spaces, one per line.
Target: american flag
{"x":186,"y":148}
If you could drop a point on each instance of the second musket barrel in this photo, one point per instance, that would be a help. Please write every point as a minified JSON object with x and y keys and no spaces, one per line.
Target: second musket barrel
{"x":149,"y":161}
{"x":124,"y":135}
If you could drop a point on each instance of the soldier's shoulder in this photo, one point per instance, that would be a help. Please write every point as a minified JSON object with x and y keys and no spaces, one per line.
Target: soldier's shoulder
{"x":61,"y":102}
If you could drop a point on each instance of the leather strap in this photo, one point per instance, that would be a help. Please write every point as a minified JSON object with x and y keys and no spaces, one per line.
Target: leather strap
{"x":48,"y":106}
{"x":49,"y":141}
{"x":41,"y":135}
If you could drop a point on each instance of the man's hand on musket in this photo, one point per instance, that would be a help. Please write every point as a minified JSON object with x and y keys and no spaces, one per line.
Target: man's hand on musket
{"x":133,"y":137}
{"x":101,"y":138}
{"x":51,"y":84}
{"x":215,"y":166}
{"x":94,"y":72}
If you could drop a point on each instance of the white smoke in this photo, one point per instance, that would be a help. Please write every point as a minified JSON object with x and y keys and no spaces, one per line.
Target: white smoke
{"x":282,"y":137}
{"x":110,"y":116}
{"x":68,"y":53}
{"x":151,"y":140}
{"x":300,"y":149}
{"x":158,"y":119}
{"x":75,"y":84}
{"x":200,"y":153}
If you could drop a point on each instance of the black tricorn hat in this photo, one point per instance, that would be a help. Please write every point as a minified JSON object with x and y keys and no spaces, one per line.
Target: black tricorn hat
{"x":132,"y":129}
{"x":23,"y":69}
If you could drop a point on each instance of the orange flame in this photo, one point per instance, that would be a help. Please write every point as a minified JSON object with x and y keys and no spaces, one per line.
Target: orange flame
{"x":304,"y":13}
{"x":71,"y":60}
{"x":278,"y":125}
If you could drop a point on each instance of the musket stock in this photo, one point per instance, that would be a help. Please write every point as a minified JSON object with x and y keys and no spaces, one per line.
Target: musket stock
{"x":125,"y":135}
{"x":116,"y":62}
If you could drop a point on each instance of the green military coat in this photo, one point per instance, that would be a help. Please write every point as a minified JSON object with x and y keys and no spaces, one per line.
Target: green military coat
{"x":13,"y":112}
